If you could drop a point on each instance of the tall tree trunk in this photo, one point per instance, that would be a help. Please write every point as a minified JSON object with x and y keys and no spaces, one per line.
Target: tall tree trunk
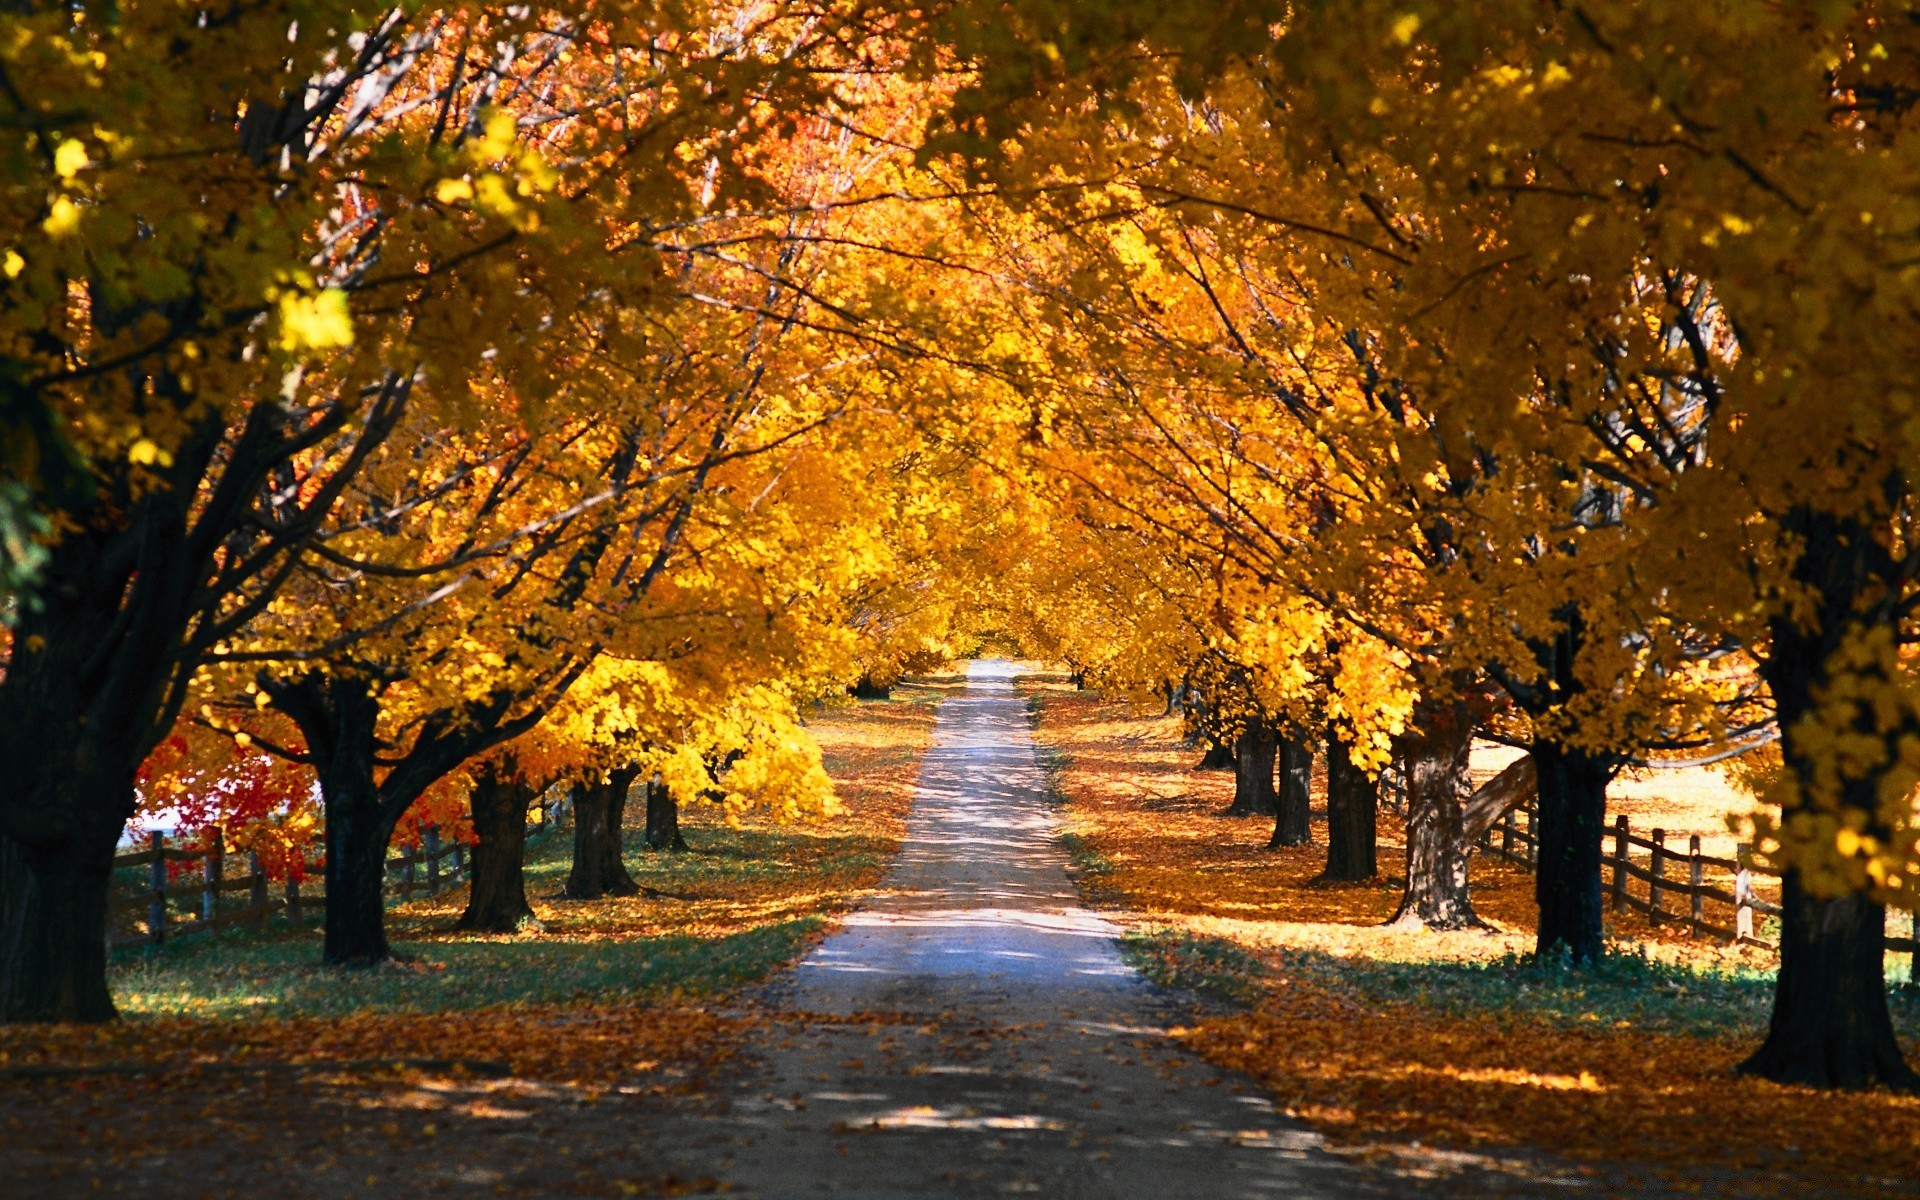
{"x":1831,"y":1026}
{"x":1435,"y":753}
{"x":1293,"y":808}
{"x":1566,"y":883}
{"x":663,"y":818}
{"x":497,"y":899}
{"x":55,"y":967}
{"x":1219,"y":757}
{"x":1253,"y":755}
{"x":1353,"y":800}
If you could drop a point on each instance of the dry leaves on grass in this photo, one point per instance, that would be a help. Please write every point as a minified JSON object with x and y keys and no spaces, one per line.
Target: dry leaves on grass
{"x":1149,"y":842}
{"x":1604,"y":1095}
{"x":572,"y":1043}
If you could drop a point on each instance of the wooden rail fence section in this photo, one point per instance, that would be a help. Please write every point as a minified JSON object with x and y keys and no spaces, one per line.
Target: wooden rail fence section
{"x":431,"y":869}
{"x":1676,"y":884}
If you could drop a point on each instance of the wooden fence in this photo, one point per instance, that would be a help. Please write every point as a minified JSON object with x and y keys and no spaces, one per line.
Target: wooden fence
{"x":1675,"y":886}
{"x":431,"y":869}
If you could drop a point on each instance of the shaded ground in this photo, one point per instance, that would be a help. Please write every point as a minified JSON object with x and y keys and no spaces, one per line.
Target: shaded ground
{"x":1377,"y":1038}
{"x":534,"y":1065}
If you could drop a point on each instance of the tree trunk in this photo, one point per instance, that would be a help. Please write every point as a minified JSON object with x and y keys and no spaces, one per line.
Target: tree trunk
{"x":1293,"y":808}
{"x":1253,"y":755}
{"x":587,"y":880}
{"x":1435,"y":754}
{"x":1566,"y":884}
{"x":867,"y":689}
{"x":663,"y":818}
{"x":1831,"y":1026}
{"x":339,"y":714}
{"x":497,"y":899}
{"x":1352,"y":808}
{"x":55,"y":967}
{"x":1219,"y":757}
{"x":358,"y":834}
{"x":614,"y":866}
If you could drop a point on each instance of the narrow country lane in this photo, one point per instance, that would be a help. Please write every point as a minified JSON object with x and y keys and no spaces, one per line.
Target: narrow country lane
{"x":992,"y":1041}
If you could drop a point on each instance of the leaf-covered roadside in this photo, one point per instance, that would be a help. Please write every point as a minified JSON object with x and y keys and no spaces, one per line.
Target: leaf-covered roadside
{"x":1376,"y":1038}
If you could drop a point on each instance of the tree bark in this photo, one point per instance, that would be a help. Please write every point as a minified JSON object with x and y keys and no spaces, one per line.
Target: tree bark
{"x":867,"y":689}
{"x":56,"y":949}
{"x":1566,"y":882}
{"x":1253,"y":757}
{"x":358,"y":834}
{"x":1293,"y":807}
{"x":1435,"y":753}
{"x":1831,"y":1026}
{"x":599,"y":807}
{"x":1353,"y":800}
{"x":497,"y":899}
{"x":663,"y":818}
{"x":1219,"y":757}
{"x":614,"y":866}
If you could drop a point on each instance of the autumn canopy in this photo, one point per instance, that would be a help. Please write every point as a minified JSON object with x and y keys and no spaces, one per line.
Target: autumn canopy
{"x":406,"y":410}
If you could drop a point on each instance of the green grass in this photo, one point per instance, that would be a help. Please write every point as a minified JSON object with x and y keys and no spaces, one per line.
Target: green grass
{"x":1622,"y":988}
{"x":1213,"y":966}
{"x":1085,"y":859}
{"x":230,"y":977}
{"x":277,"y":972}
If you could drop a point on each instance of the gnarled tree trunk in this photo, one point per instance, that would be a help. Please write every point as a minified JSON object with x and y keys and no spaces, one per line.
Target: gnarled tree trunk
{"x":1253,"y":756}
{"x":1353,"y":800}
{"x":1293,"y":804}
{"x":497,"y":899}
{"x":1434,"y":752}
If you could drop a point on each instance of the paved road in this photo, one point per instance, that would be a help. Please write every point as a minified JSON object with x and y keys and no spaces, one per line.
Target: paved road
{"x":984,"y":1036}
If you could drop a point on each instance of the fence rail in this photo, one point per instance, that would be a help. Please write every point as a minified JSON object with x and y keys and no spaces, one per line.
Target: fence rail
{"x":1670,"y":875}
{"x":429,"y":870}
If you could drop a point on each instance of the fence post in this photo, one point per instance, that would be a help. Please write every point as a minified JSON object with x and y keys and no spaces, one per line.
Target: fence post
{"x":257,"y":901}
{"x":157,"y":881}
{"x":293,"y":900}
{"x":1743,"y":893}
{"x":212,"y":868}
{"x":406,"y":877}
{"x":1619,"y":862}
{"x":1506,"y":835}
{"x":1533,"y":838}
{"x":1694,"y":880}
{"x":459,"y":860}
{"x":1657,"y":870}
{"x":430,"y":845}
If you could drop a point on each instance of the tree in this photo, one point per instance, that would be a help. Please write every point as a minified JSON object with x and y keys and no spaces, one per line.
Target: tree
{"x":164,"y":321}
